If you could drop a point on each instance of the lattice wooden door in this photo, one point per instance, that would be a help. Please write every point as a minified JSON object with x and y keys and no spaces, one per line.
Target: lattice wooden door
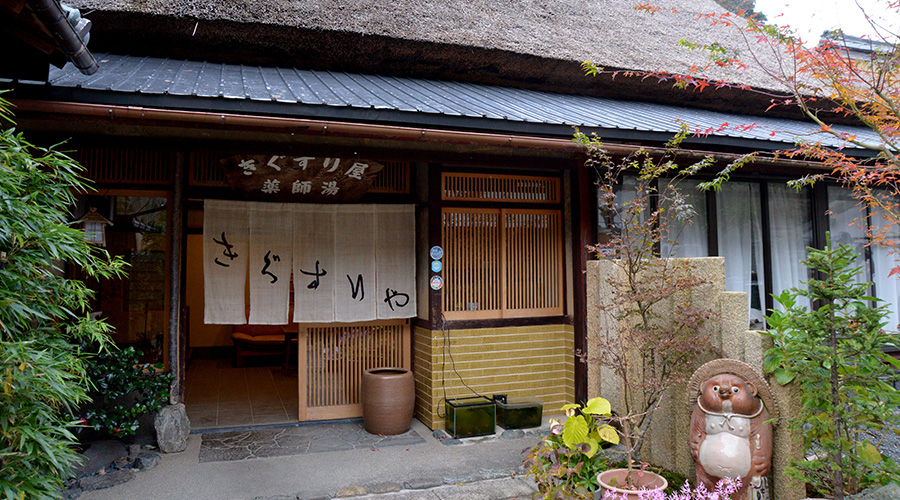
{"x":333,"y":357}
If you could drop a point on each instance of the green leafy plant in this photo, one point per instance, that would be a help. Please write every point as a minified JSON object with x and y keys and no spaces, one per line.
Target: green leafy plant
{"x":43,"y":315}
{"x":835,"y":353}
{"x":125,"y":390}
{"x":565,"y":463}
{"x":650,"y":347}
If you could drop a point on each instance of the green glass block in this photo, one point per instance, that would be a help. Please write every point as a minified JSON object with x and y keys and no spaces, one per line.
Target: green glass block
{"x":519,"y":414}
{"x":467,"y":417}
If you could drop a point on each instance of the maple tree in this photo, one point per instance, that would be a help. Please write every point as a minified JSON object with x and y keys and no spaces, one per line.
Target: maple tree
{"x":841,"y":80}
{"x":828,"y":83}
{"x":657,"y":334}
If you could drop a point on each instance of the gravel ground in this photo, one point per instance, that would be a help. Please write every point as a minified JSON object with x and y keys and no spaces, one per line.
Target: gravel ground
{"x":891,"y":445}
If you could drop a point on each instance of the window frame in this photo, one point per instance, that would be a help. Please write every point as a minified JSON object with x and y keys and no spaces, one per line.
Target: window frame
{"x":504,"y":207}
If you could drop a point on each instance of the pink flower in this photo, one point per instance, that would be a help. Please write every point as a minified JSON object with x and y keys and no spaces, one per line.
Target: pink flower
{"x":724,"y":489}
{"x":556,"y":428}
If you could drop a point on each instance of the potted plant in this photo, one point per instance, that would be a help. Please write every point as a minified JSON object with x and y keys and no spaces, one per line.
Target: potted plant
{"x":565,"y":463}
{"x":658,"y":336}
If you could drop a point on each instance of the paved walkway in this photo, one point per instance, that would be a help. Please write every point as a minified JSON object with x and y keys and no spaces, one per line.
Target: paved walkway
{"x":513,"y":488}
{"x":428,"y":469}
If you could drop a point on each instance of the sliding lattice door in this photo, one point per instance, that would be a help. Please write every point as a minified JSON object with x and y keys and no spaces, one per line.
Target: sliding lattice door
{"x":333,"y":357}
{"x":472,"y":263}
{"x":502,"y":263}
{"x":532,"y":243}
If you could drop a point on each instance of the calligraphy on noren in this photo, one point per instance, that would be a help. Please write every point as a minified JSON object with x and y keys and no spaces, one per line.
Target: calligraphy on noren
{"x":296,"y":178}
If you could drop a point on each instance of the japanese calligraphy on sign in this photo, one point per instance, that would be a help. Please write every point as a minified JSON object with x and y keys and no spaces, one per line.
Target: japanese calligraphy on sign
{"x":297,"y":178}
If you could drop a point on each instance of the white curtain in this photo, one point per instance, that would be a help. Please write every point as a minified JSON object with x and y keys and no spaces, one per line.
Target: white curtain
{"x":847,"y":223}
{"x":349,"y":263}
{"x":691,"y":236}
{"x":225,"y":255}
{"x":354,"y":263}
{"x":395,"y":273}
{"x":314,"y":275}
{"x":790,"y":229}
{"x":740,"y":242}
{"x":271,"y":252}
{"x":887,"y":288}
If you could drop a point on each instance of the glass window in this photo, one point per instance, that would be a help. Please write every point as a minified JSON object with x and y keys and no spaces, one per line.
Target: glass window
{"x":136,"y":305}
{"x":887,"y":288}
{"x":847,"y":223}
{"x":739,"y":221}
{"x":608,"y":221}
{"x":690,"y":234}
{"x":791,"y":232}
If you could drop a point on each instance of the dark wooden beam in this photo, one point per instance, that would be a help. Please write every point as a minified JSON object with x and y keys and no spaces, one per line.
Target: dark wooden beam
{"x":435,"y":308}
{"x":583,"y":234}
{"x":177,"y":330}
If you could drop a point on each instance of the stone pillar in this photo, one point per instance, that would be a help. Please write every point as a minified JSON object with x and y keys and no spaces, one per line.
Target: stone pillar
{"x":786,"y":445}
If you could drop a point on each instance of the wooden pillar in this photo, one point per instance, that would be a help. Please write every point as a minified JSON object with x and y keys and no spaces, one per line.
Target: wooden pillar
{"x":582,"y":208}
{"x":177,"y":328}
{"x":435,"y":307}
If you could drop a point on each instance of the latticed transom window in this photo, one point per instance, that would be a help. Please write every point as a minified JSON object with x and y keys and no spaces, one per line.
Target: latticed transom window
{"x":502,"y":262}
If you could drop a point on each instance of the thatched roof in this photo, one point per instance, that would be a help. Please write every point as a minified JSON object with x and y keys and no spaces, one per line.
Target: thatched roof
{"x":537,"y":43}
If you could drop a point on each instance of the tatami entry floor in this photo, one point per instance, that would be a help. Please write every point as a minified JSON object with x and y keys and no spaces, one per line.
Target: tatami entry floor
{"x":219,"y":395}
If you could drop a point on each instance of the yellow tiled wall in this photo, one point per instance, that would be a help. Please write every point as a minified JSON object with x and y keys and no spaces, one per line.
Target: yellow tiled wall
{"x":527,"y":362}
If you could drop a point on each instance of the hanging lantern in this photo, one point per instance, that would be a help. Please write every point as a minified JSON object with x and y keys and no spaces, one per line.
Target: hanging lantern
{"x":94,"y":226}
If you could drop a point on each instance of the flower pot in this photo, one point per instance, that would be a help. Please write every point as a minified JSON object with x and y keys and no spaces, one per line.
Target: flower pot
{"x":388,"y":399}
{"x":648,"y":481}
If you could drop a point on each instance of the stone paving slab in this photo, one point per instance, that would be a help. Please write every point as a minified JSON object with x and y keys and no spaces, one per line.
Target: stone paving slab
{"x":493,"y":489}
{"x":267,"y":443}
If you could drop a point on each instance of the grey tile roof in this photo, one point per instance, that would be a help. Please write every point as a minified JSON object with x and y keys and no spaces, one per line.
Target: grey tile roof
{"x":333,"y":95}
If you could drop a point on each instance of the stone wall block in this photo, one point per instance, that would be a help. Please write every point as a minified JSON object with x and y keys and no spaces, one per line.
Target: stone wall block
{"x":733,"y":319}
{"x":594,"y":322}
{"x":754,"y":349}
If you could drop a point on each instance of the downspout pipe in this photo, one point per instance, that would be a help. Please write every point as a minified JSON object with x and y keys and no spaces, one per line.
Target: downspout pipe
{"x":70,"y":41}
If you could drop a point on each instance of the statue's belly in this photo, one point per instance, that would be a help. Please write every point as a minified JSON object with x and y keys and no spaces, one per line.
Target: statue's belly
{"x":725,"y":455}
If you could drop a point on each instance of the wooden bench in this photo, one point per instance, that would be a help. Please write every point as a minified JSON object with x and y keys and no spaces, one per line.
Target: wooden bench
{"x":257,"y":340}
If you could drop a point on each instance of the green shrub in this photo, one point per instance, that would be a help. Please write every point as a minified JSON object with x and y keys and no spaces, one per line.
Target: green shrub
{"x":43,"y":316}
{"x":125,"y":391}
{"x":835,"y":353}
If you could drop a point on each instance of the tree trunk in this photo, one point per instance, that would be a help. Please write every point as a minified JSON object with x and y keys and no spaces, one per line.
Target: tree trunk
{"x":838,"y":488}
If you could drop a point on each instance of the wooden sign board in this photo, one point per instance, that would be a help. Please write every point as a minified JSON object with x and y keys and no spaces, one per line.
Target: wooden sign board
{"x":307,"y":179}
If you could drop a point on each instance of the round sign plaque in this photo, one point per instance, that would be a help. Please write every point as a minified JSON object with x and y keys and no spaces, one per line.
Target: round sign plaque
{"x":437,"y":283}
{"x":436,"y":266}
{"x":437,"y":253}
